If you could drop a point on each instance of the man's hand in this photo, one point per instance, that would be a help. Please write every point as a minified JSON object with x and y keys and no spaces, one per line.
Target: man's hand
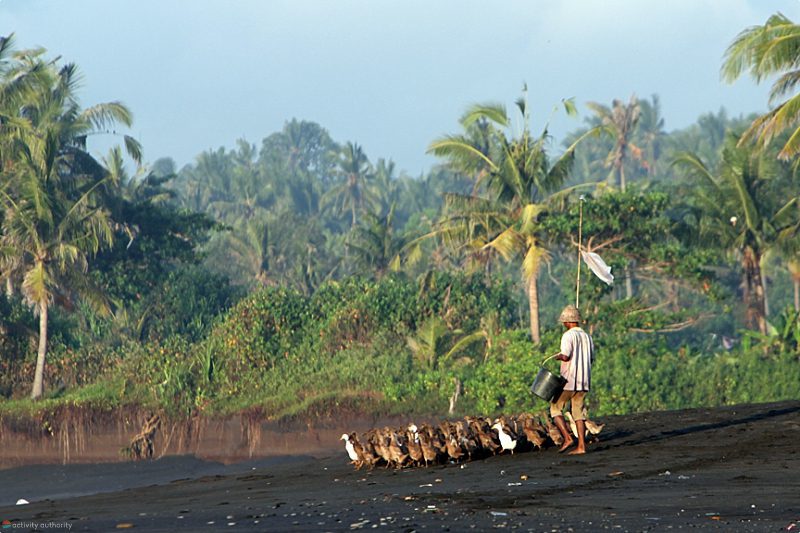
{"x":562,"y":357}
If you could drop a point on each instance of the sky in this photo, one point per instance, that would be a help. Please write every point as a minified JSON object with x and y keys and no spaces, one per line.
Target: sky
{"x":389,"y":75}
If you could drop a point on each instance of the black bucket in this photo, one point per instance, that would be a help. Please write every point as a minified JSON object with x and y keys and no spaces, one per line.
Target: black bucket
{"x":547,"y":385}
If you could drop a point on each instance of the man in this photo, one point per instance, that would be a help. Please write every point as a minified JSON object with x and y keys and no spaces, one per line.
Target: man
{"x":576,"y":356}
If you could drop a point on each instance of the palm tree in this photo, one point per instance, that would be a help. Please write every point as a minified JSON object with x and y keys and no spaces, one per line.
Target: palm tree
{"x":743,"y":209}
{"x":435,"y":345}
{"x":374,"y":245}
{"x":300,"y":149}
{"x":387,"y":186}
{"x":54,"y":220}
{"x":766,"y":51}
{"x":352,"y":193}
{"x":620,"y":121}
{"x":513,"y":177}
{"x":650,"y":133}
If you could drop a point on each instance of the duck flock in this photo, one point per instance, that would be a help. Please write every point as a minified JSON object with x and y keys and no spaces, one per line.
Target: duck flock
{"x":456,"y":441}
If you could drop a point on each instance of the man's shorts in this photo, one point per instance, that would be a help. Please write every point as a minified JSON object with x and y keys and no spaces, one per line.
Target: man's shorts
{"x":578,"y":409}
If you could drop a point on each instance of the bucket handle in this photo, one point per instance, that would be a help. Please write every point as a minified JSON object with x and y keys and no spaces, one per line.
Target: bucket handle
{"x":548,"y":358}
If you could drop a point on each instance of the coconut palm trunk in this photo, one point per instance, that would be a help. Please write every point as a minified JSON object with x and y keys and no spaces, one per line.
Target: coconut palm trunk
{"x":796,"y":283}
{"x":38,"y":377}
{"x":628,"y":281}
{"x":793,"y":264}
{"x":533,"y":305}
{"x":755,"y":302}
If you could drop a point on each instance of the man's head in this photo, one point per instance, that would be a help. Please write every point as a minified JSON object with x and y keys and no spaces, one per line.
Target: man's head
{"x":570,"y":316}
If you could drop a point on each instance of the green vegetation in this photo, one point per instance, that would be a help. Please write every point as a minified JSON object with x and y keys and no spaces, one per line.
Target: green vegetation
{"x":299,"y":279}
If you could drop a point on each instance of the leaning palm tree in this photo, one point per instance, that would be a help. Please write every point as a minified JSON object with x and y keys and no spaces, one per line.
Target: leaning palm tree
{"x":744,"y":209}
{"x":54,"y":220}
{"x":766,"y":51}
{"x":513,"y":178}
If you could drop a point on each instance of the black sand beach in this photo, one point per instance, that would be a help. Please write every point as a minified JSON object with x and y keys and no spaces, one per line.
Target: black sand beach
{"x":727,"y":469}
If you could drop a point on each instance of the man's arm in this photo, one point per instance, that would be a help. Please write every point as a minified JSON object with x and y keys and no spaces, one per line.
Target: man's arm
{"x":566,"y":348}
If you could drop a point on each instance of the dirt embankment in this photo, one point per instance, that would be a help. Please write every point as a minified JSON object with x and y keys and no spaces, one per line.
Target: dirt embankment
{"x":73,"y":436}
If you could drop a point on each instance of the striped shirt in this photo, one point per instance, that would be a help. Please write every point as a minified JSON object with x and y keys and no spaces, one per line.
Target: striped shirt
{"x":578,"y":346}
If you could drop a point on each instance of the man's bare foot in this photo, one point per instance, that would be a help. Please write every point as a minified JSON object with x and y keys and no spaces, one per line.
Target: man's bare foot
{"x":567,"y":444}
{"x":577,"y":451}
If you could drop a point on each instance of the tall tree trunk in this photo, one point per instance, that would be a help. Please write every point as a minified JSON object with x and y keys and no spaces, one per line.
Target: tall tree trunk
{"x":533,"y":305}
{"x":628,"y":281}
{"x":38,"y":377}
{"x":755,"y":311}
{"x":454,"y":397}
{"x":796,"y":283}
{"x":794,"y":269}
{"x":9,"y":287}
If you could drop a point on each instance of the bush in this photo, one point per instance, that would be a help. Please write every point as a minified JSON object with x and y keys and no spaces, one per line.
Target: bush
{"x":188,"y":302}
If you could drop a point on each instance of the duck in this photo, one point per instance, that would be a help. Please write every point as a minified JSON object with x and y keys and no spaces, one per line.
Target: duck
{"x":553,"y":432}
{"x":397,"y":449}
{"x":506,"y":440}
{"x":438,"y":440}
{"x":454,"y":451}
{"x":351,"y":451}
{"x":592,"y":429}
{"x":413,"y":444}
{"x":485,"y":436}
{"x":429,"y":453}
{"x":466,"y":440}
{"x":379,"y":444}
{"x":534,"y":432}
{"x":368,"y":453}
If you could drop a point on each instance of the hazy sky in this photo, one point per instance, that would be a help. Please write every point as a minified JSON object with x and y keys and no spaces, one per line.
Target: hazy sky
{"x":389,"y":75}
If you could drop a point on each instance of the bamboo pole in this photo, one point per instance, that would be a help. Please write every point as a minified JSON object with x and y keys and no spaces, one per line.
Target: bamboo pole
{"x":580,"y":241}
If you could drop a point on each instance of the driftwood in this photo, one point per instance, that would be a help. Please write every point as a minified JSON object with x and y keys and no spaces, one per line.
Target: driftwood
{"x":142,"y":445}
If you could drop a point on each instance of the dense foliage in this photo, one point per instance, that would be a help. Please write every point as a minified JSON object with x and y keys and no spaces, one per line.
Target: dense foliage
{"x":299,"y":278}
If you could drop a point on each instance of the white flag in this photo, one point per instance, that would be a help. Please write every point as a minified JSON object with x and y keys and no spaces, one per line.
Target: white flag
{"x":598,"y":266}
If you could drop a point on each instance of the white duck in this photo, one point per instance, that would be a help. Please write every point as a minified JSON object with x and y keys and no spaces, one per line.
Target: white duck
{"x":506,"y":442}
{"x":348,"y":445}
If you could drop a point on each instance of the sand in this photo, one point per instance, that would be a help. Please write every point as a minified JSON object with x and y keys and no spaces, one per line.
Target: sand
{"x":727,"y":469}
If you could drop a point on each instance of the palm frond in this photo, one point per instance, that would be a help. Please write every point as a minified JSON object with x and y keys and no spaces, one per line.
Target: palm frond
{"x":133,"y":148}
{"x":494,"y":113}
{"x":102,"y":116}
{"x":783,"y":85}
{"x":528,"y":217}
{"x":462,"y":344}
{"x":36,"y":282}
{"x":507,"y":243}
{"x":787,"y":215}
{"x":533,"y":260}
{"x":695,"y":168}
{"x":459,"y":148}
{"x":746,"y":202}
